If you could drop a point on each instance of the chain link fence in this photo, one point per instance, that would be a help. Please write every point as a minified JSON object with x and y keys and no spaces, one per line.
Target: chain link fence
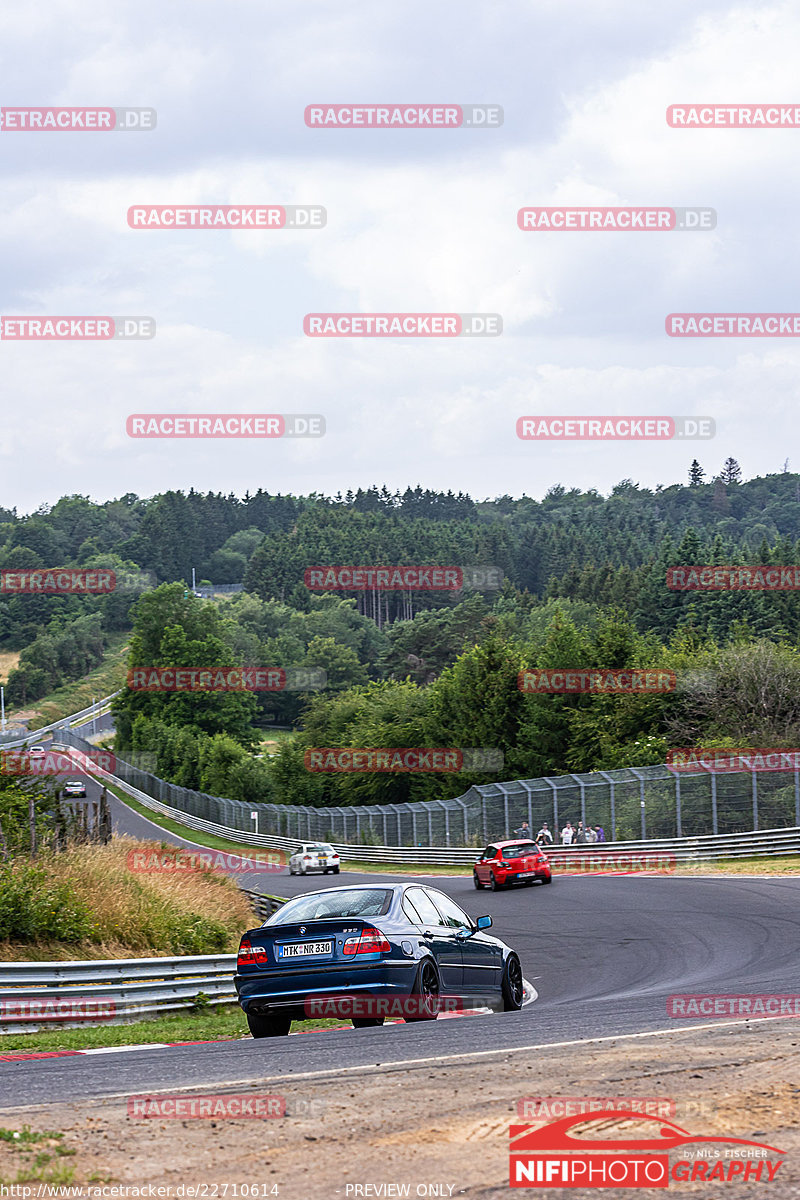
{"x":629,"y":803}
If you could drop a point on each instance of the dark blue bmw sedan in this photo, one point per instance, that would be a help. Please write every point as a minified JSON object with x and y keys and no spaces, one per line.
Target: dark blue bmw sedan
{"x":370,"y":952}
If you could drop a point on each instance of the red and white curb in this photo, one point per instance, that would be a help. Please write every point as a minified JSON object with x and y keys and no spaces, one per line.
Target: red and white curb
{"x":530,"y":994}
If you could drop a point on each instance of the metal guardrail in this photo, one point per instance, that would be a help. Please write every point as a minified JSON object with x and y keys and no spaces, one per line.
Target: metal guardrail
{"x":94,"y":710}
{"x":35,"y":996}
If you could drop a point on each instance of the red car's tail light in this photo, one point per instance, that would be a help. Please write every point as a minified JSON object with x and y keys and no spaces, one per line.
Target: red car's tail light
{"x":251,"y":956}
{"x":369,"y":941}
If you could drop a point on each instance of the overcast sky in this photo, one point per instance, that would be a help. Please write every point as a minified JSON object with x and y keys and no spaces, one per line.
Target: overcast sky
{"x":418,"y":221}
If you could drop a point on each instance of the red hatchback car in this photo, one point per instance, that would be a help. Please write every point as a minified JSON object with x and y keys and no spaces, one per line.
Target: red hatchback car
{"x":505,"y":863}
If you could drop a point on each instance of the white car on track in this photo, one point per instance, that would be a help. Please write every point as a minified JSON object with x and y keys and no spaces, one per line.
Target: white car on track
{"x":314,"y":856}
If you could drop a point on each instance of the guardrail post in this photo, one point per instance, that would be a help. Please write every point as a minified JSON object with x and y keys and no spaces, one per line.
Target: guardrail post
{"x":430,"y":827}
{"x":755,"y":800}
{"x":679,"y":823}
{"x":714,"y":827}
{"x":414,"y":825}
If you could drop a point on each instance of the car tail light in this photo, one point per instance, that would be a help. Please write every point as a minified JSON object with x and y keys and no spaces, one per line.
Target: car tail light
{"x":369,"y":941}
{"x":251,"y":956}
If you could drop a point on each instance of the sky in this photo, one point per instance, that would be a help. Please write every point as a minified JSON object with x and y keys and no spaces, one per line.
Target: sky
{"x":418,"y":220}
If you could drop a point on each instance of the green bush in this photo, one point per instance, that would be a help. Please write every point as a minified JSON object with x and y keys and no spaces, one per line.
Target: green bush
{"x":33,"y":908}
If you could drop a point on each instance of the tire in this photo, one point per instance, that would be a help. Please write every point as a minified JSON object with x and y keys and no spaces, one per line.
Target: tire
{"x":271,"y":1025}
{"x":366,"y":1022}
{"x":547,"y":879}
{"x":477,"y":881}
{"x":336,"y":870}
{"x":511,"y":986}
{"x":291,"y":869}
{"x":493,"y":884}
{"x":426,"y":984}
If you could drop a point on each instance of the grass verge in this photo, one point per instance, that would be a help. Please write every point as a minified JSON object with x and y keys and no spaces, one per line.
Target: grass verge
{"x":220,"y":1024}
{"x":72,"y":697}
{"x":88,"y":903}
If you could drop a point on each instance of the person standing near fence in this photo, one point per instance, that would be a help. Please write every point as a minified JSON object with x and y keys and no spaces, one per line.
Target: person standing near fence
{"x":544,"y":836}
{"x":566,"y":834}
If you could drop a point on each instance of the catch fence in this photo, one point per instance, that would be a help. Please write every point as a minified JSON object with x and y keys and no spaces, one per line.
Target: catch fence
{"x":633,"y":803}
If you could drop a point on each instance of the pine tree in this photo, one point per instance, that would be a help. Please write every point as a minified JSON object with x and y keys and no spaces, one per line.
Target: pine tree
{"x":731,"y":472}
{"x":696,"y":474}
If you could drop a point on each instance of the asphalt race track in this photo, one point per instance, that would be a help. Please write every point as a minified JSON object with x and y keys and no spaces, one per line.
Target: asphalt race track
{"x":603,"y":952}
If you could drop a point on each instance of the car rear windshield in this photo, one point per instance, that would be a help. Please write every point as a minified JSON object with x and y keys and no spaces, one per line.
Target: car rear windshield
{"x":520,"y":850}
{"x":340,"y":902}
{"x":320,"y":850}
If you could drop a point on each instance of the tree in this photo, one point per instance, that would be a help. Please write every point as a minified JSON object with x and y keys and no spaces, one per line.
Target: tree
{"x":696,"y":474}
{"x":731,"y":472}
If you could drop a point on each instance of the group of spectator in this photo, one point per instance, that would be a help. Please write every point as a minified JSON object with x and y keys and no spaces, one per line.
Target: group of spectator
{"x":578,"y":835}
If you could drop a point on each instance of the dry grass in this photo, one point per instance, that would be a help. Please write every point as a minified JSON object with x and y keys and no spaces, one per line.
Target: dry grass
{"x":137,"y":914}
{"x":8,"y":660}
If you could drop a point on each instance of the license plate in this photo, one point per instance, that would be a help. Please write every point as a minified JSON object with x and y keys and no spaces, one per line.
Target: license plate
{"x":304,"y":949}
{"x":526,"y":874}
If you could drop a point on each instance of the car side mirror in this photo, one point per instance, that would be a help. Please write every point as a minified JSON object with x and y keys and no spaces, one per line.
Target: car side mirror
{"x":483,"y":922}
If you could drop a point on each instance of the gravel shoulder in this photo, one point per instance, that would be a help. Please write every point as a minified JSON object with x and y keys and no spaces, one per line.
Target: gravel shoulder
{"x":443,"y":1123}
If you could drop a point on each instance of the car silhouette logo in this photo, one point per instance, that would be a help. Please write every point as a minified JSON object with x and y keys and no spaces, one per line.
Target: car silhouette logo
{"x":557,"y":1136}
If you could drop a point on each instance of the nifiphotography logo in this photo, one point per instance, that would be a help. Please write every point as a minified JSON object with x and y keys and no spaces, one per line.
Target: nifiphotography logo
{"x":553,"y":1156}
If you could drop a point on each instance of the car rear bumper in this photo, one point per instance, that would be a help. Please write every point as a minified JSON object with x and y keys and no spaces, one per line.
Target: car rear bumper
{"x":267,"y":991}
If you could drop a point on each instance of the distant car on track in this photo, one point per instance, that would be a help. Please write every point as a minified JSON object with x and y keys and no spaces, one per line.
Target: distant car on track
{"x":314,"y":856}
{"x":75,"y":787}
{"x":37,"y":752}
{"x":402,"y":940}
{"x":503,"y":864}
